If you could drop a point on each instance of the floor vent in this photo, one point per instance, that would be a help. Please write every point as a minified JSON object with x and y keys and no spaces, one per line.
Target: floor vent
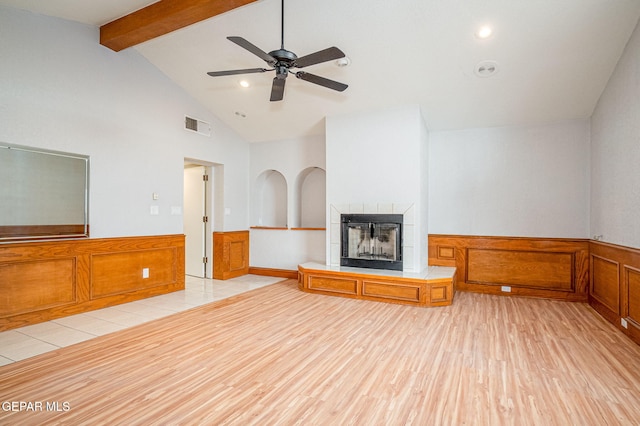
{"x":197,"y":126}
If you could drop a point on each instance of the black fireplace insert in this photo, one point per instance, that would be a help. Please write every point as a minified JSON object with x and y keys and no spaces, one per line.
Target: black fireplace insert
{"x":371,"y":241}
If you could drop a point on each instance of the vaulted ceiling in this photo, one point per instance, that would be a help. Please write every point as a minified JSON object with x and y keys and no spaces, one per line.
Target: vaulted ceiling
{"x":553,"y":58}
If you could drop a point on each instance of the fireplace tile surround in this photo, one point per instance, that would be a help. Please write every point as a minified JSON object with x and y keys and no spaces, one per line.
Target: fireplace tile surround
{"x":408,"y":237}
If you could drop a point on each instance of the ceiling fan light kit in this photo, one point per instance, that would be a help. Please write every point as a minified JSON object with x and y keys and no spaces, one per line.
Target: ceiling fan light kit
{"x":282,"y":61}
{"x":343,"y":62}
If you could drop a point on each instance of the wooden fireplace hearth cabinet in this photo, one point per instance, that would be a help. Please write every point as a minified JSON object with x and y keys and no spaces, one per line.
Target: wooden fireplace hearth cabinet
{"x":434,"y":286}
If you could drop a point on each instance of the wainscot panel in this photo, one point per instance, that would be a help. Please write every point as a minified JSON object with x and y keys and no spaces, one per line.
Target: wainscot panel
{"x":615,"y":286}
{"x":521,"y":268}
{"x":23,"y":285}
{"x":333,"y":285}
{"x":115,"y":273}
{"x":230,"y":254}
{"x":632,"y":279}
{"x":408,"y":292}
{"x":536,"y":267}
{"x":435,"y":286}
{"x":41,"y":281}
{"x":605,"y":282}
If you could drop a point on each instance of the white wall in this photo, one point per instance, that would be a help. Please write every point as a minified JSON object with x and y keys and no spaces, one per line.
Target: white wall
{"x":61,"y":90}
{"x":517,"y":181}
{"x":373,"y":157}
{"x":615,"y":153}
{"x":286,"y":249}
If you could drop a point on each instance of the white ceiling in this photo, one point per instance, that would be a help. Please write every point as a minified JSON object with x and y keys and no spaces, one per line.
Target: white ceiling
{"x":554,"y":56}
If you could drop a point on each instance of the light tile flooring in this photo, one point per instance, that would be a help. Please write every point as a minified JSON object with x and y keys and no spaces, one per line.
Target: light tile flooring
{"x":32,"y":340}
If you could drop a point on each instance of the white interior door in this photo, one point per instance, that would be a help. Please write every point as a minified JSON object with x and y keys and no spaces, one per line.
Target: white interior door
{"x":194,"y":225}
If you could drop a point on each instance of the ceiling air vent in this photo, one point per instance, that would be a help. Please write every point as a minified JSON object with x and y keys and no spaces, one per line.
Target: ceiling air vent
{"x":197,"y":126}
{"x":486,"y":68}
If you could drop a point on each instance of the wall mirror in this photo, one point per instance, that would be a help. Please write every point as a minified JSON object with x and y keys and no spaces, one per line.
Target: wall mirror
{"x":43,"y":194}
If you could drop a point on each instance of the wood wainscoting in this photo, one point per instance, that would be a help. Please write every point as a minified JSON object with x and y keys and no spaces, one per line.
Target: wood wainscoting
{"x":230,"y":254}
{"x":274,"y":272}
{"x":552,"y":268}
{"x":40,"y":281}
{"x":614,"y":288}
{"x":435,"y":286}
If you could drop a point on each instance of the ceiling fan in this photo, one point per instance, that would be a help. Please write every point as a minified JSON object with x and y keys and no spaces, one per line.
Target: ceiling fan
{"x":282,"y":61}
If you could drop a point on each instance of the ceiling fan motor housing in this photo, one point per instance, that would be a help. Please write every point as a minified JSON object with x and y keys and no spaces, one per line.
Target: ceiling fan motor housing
{"x":284,"y":57}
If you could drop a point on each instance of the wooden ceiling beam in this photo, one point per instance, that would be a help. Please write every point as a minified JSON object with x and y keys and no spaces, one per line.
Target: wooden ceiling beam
{"x":161,"y":18}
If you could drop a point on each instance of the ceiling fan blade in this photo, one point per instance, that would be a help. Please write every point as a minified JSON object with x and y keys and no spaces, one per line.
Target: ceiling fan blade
{"x":253,"y":49}
{"x":235,"y":72}
{"x":320,"y":56}
{"x":312,"y":78}
{"x":277,"y":89}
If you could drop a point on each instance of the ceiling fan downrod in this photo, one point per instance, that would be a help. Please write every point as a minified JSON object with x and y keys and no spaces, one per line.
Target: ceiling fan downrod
{"x":282,"y":25}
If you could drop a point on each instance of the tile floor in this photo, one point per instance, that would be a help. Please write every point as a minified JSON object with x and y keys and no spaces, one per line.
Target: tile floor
{"x":32,"y":340}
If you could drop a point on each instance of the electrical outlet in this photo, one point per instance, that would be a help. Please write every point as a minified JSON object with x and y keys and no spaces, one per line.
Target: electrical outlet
{"x":506,"y":289}
{"x":145,"y":272}
{"x":624,"y":323}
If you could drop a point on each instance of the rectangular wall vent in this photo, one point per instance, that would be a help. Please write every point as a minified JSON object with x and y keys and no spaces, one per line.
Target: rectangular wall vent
{"x":197,"y":126}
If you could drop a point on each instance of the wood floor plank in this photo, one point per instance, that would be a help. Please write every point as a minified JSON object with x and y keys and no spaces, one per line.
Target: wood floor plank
{"x":277,"y":355}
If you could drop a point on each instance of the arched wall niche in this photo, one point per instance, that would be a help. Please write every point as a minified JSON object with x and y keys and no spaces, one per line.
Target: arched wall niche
{"x":270,"y":200}
{"x":310,"y":198}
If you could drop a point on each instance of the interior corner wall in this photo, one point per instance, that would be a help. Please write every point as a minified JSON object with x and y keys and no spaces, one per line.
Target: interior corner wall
{"x":528,"y":181}
{"x":424,"y":193}
{"x":278,"y":248}
{"x":615,"y":153}
{"x":61,"y":90}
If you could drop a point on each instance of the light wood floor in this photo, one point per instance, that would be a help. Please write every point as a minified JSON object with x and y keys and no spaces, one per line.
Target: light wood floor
{"x":277,"y":355}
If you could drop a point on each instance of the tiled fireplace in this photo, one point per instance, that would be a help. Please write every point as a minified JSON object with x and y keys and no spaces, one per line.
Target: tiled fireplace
{"x":377,"y":164}
{"x":383,"y":248}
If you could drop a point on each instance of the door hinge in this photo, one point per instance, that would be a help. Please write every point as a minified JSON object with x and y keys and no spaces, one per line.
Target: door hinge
{"x":205,"y":219}
{"x":205,"y":260}
{"x":205,"y":178}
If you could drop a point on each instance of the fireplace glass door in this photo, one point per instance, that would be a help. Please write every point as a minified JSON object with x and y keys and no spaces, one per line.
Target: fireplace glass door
{"x":372,"y":241}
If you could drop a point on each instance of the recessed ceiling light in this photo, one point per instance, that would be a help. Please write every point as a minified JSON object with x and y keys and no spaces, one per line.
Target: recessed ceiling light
{"x":484,"y":32}
{"x":244,"y":83}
